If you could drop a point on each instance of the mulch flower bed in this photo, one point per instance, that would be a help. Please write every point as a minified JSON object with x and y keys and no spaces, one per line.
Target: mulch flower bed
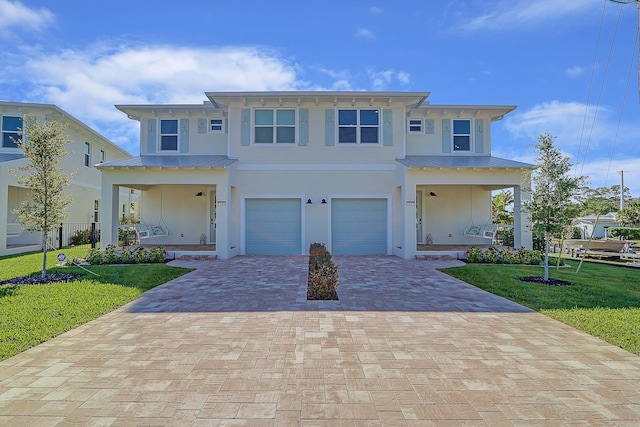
{"x":550,"y":282}
{"x":39,"y":280}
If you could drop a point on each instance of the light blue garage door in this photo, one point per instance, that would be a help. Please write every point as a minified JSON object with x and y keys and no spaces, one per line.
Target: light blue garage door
{"x":359,"y":226}
{"x":273,"y":226}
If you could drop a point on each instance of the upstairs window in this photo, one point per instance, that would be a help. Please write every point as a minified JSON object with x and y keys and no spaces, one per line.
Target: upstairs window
{"x":415,"y":125}
{"x":216,"y":126}
{"x":11,"y":131}
{"x":169,"y":135}
{"x":103,"y":156}
{"x":358,"y":126}
{"x":274,"y":126}
{"x":87,"y":154}
{"x":462,"y":135}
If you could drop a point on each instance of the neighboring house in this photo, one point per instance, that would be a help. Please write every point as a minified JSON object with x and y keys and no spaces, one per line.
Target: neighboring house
{"x":601,"y":223}
{"x":87,"y":148}
{"x":272,"y":172}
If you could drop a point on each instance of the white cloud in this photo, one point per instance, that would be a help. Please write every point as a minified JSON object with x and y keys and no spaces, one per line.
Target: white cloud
{"x":365,"y":34}
{"x":381,"y":79}
{"x":513,"y":14}
{"x":591,"y":145}
{"x":88,"y":83}
{"x":374,"y":10}
{"x":14,"y":16}
{"x":575,"y":71}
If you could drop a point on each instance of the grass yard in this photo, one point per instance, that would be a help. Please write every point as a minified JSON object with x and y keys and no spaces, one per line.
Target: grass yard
{"x":604,"y":301}
{"x":32,"y":314}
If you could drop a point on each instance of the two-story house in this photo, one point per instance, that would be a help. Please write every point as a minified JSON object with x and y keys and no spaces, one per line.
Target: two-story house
{"x":272,"y":172}
{"x":86,"y":149}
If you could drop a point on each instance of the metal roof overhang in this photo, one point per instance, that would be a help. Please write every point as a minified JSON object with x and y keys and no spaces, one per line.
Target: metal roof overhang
{"x":461,"y":162}
{"x":170,"y":162}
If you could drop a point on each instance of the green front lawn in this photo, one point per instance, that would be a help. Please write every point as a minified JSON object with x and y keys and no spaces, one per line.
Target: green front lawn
{"x":32,"y":314}
{"x":604,"y":301}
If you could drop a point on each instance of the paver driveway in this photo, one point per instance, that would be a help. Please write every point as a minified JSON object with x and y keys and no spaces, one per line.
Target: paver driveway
{"x":236,"y":343}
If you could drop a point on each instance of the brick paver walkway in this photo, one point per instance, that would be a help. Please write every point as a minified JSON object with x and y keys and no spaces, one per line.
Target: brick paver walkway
{"x":236,"y":343}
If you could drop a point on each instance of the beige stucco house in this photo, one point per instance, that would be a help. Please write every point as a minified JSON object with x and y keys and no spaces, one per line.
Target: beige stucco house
{"x":86,"y":149}
{"x":272,"y":172}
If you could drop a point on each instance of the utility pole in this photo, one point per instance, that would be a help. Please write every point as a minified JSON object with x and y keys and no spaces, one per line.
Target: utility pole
{"x":637,"y":35}
{"x":621,"y":189}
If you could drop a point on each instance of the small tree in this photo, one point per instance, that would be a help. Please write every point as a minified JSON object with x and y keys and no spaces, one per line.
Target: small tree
{"x":552,"y":194}
{"x":500,"y":204}
{"x":43,"y":144}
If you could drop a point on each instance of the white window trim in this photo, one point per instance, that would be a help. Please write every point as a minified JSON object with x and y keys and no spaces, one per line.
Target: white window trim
{"x":471,"y":136}
{"x":358,"y":126}
{"x":160,"y":134}
{"x":2,"y":132}
{"x":216,"y":132}
{"x":86,"y":157}
{"x":296,"y":128}
{"x":415,"y":131}
{"x":103,"y":156}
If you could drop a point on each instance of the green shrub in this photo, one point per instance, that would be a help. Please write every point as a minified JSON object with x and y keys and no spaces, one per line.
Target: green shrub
{"x":157,"y":255}
{"x":128,"y":256}
{"x":82,"y":237}
{"x":323,"y":282}
{"x":94,"y":257}
{"x":625,"y":232}
{"x":323,"y":274}
{"x":503,"y":256}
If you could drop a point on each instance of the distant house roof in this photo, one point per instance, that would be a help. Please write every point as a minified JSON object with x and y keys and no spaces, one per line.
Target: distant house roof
{"x":7,"y":157}
{"x":461,"y":162}
{"x":610,"y":217}
{"x":169,"y":161}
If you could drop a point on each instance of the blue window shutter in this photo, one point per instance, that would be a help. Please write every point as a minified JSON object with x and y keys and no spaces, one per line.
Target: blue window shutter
{"x":387,"y":128}
{"x":202,"y":125}
{"x":479,"y":136}
{"x":245,"y":129}
{"x":329,"y":127}
{"x":303,"y":132}
{"x":429,"y":126}
{"x":184,"y":135}
{"x":151,"y":136}
{"x":446,"y":135}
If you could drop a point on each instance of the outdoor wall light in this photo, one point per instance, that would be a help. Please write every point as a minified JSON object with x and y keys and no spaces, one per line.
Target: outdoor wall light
{"x":432,"y":194}
{"x":309,"y":202}
{"x":199,"y":194}
{"x":323,"y":202}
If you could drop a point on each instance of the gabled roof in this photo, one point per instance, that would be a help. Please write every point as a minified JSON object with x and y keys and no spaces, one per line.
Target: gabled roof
{"x":54,"y":112}
{"x":7,"y":157}
{"x":206,"y":109}
{"x":169,"y":161}
{"x":445,"y":162}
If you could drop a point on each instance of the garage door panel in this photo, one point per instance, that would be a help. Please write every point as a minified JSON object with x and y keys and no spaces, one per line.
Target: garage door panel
{"x":359,"y":226}
{"x":273,"y":226}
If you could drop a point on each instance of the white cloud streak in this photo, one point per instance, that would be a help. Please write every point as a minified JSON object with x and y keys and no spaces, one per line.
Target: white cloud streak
{"x":381,"y":79}
{"x":365,"y":34}
{"x":514,"y":14}
{"x":16,"y":17}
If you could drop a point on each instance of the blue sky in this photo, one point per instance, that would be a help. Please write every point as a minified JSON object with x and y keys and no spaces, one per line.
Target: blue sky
{"x":567,"y":65}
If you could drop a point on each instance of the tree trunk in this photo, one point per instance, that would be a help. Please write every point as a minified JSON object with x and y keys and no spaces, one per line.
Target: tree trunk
{"x":45,"y":237}
{"x":546,"y":257}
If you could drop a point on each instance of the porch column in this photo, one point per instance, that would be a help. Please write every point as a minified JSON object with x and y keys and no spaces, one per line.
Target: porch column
{"x":223,"y":204}
{"x":409,"y":219}
{"x":522,"y":235}
{"x":4,"y":217}
{"x":109,"y":214}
